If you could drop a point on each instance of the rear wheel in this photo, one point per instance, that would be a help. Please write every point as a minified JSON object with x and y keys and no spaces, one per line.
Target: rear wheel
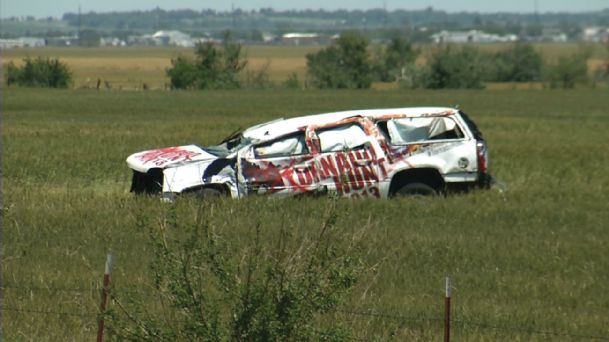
{"x":415,"y":190}
{"x":209,"y":193}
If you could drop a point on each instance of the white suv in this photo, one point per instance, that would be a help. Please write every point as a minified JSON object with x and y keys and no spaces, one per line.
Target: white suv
{"x":361,"y":153}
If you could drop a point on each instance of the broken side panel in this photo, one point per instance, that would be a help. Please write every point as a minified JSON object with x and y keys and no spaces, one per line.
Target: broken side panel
{"x":348,"y":163}
{"x":282,"y":166}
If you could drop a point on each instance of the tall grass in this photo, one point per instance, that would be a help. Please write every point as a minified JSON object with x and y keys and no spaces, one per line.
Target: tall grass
{"x":530,"y":260}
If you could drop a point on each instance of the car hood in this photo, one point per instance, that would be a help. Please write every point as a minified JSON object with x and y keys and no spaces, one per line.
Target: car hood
{"x":168,"y":156}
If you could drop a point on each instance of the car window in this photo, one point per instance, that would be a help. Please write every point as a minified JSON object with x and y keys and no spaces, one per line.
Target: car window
{"x":408,"y":130}
{"x":342,"y":138}
{"x":283,"y":147}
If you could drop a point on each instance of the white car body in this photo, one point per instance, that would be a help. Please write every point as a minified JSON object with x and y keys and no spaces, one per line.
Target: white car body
{"x":360,"y":153}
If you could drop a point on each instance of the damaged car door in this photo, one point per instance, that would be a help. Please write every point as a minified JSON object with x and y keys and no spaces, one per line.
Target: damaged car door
{"x":283,"y":166}
{"x":347,"y":160}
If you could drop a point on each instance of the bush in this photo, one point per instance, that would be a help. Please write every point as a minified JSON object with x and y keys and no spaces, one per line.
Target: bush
{"x":346,"y":64}
{"x":182,"y":74}
{"x":259,"y":78}
{"x":39,"y":72}
{"x":213,"y":68}
{"x":569,"y":71}
{"x":396,"y":62}
{"x":292,"y":82}
{"x":271,"y":291}
{"x":521,"y":63}
{"x":451,"y":67}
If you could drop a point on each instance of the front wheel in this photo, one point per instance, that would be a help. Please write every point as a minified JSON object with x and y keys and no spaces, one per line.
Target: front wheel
{"x":415,"y":190}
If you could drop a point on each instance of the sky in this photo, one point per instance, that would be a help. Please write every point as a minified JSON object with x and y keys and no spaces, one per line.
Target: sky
{"x":56,"y":8}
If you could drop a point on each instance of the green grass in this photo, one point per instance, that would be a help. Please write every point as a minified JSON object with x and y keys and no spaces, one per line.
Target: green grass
{"x":531,"y":259}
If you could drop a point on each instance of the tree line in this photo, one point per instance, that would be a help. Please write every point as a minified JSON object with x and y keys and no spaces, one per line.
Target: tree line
{"x":349,"y":63}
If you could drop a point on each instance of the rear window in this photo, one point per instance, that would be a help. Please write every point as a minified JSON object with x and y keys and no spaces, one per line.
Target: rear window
{"x":411,"y":130}
{"x":472,"y":126}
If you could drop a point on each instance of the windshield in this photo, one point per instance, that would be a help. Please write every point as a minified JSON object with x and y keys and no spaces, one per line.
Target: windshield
{"x":229,"y":145}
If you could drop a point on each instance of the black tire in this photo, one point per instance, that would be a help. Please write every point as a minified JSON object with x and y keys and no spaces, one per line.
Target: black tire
{"x":415,"y":190}
{"x":209,"y":193}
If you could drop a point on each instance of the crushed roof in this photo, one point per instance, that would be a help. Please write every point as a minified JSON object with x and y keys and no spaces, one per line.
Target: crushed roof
{"x":276,"y":128}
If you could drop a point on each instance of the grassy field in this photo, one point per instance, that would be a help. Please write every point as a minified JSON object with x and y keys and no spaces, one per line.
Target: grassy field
{"x":132,"y":67}
{"x":529,"y":264}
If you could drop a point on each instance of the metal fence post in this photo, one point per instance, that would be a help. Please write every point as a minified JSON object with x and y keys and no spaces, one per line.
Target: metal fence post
{"x":104,"y":298}
{"x":447,"y":310}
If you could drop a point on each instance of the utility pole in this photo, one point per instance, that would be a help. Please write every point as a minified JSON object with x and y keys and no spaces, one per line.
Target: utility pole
{"x":536,"y":4}
{"x":232,"y":6}
{"x":538,"y":20}
{"x":79,"y":26}
{"x":385,"y":15}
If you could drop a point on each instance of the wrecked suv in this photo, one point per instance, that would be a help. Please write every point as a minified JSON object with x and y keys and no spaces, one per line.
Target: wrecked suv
{"x":362,"y":153}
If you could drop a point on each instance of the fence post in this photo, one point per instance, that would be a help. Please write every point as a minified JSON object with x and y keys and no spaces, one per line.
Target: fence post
{"x":104,"y":298}
{"x":447,"y":310}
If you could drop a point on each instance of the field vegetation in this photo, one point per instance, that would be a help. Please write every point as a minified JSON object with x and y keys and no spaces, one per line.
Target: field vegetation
{"x":528,"y":264}
{"x":136,"y":68}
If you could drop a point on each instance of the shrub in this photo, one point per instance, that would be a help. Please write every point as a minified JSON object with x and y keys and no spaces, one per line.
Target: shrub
{"x":183,"y":73}
{"x":569,"y":71}
{"x":520,"y":63}
{"x":396,"y":62}
{"x":451,"y":67}
{"x":214,"y":67}
{"x":271,"y":291}
{"x":293,"y":82}
{"x":259,"y":78}
{"x":346,"y":64}
{"x":39,"y":72}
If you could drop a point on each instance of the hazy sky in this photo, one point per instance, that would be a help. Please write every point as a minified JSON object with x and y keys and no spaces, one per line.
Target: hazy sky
{"x":55,"y":8}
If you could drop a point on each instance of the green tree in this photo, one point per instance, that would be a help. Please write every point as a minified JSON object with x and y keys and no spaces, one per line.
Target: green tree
{"x":213,"y":68}
{"x":183,"y":73}
{"x":397,"y":61}
{"x":89,"y":38}
{"x":451,"y":67}
{"x":39,"y":72}
{"x":345,"y":64}
{"x":602,"y":71}
{"x":569,"y":70}
{"x":520,"y":63}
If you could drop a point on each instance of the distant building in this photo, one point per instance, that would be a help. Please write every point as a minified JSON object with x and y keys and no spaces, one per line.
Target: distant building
{"x":163,"y":38}
{"x":596,"y":34}
{"x":32,"y":42}
{"x":23,"y":42}
{"x":303,"y":39}
{"x":269,"y":38}
{"x":473,"y":36}
{"x":173,"y":38}
{"x":62,"y":41}
{"x":10,"y":43}
{"x":111,"y":41}
{"x":553,"y":35}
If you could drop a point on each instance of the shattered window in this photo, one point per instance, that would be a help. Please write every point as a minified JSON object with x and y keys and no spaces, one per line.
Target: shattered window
{"x":282,"y":147}
{"x":228,"y":146}
{"x":408,"y":130}
{"x":342,"y":138}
